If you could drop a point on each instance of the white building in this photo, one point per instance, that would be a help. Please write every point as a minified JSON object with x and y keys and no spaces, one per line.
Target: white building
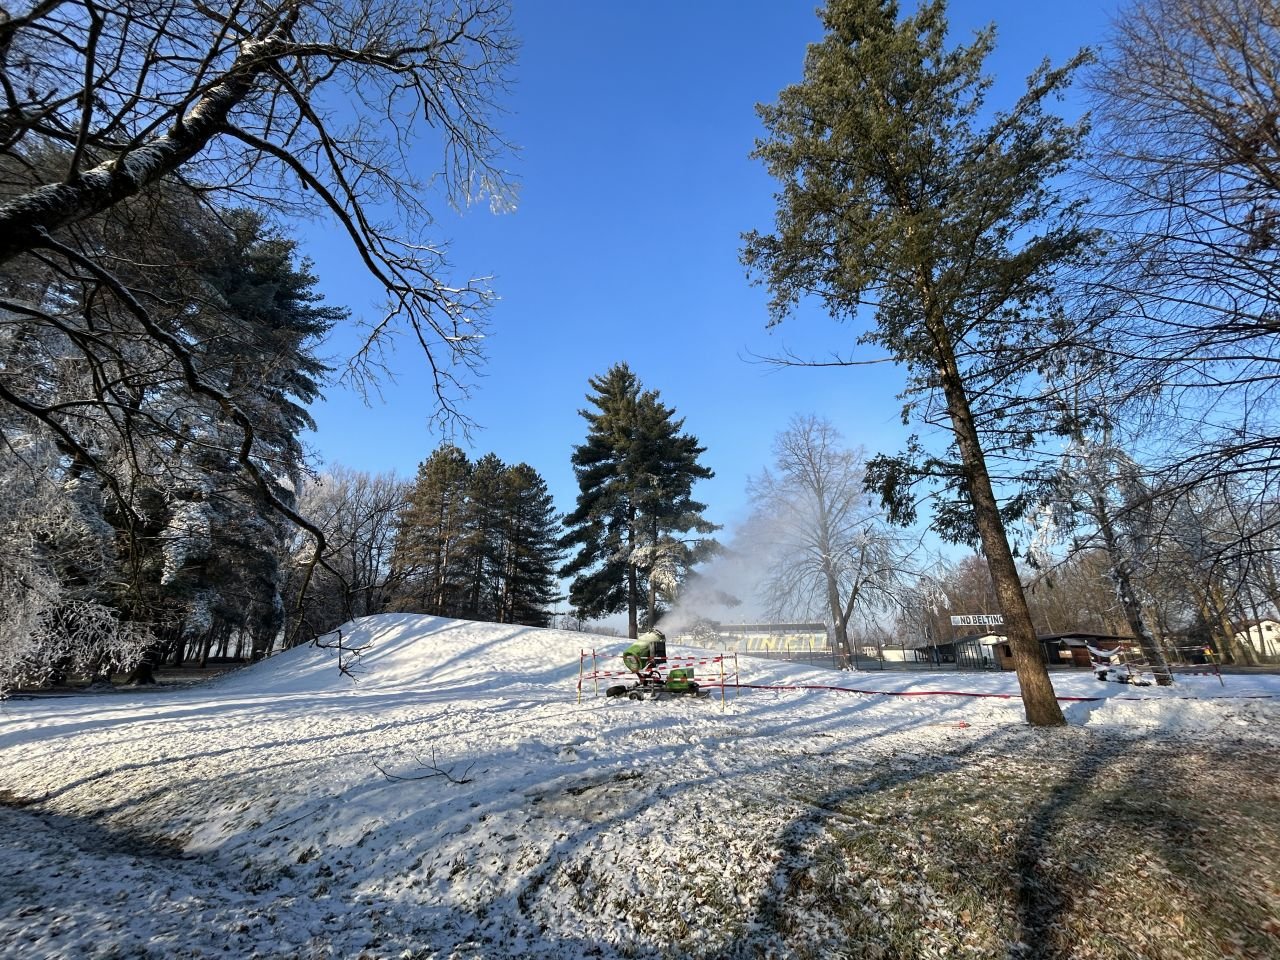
{"x":1262,"y":637}
{"x":775,"y":637}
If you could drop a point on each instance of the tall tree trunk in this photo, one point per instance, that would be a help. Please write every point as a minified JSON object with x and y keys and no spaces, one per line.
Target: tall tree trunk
{"x":633,"y":587}
{"x":1241,"y":652}
{"x":651,"y":608}
{"x":839,"y":624}
{"x":1038,"y":698}
{"x":1121,"y":575}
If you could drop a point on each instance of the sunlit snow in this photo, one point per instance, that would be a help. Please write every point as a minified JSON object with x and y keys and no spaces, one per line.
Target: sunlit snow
{"x":456,"y":800}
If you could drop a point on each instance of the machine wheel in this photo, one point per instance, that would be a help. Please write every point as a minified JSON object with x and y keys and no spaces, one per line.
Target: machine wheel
{"x":617,"y":690}
{"x":693,"y":689}
{"x":635,"y":695}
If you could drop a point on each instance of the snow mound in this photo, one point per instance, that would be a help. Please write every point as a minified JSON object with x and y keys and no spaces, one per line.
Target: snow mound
{"x":408,"y":651}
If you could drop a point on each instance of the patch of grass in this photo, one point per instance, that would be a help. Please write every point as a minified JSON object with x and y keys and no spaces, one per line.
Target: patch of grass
{"x":1142,"y":853}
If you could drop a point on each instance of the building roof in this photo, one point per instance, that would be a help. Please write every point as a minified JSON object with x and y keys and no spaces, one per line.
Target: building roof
{"x":1078,"y":638}
{"x":986,"y":639}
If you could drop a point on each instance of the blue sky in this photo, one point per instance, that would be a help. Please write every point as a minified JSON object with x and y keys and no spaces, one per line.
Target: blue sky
{"x":634,"y":123}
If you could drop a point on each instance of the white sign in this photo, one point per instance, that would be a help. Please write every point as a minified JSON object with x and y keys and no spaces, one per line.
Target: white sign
{"x":978,"y":620}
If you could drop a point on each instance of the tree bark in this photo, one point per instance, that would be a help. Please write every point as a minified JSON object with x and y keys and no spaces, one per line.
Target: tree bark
{"x":633,"y":589}
{"x":1038,"y":698}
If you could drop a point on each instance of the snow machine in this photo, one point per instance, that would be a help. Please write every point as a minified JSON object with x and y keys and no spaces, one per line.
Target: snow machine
{"x":647,"y":659}
{"x":1110,"y":665}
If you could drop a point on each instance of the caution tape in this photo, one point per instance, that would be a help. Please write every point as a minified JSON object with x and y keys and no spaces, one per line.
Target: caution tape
{"x":899,"y":693}
{"x":969,"y":693}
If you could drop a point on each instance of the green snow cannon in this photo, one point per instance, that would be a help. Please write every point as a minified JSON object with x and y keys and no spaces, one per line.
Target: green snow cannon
{"x":647,"y":653}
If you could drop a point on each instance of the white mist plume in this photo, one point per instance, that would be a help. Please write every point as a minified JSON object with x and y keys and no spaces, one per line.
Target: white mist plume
{"x":730,"y":588}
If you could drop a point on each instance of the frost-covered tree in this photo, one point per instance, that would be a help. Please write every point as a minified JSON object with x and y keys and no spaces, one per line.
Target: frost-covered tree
{"x":112,"y":114}
{"x":211,"y":547}
{"x":56,"y":557}
{"x":357,"y":513}
{"x":196,"y":533}
{"x":1103,"y":486}
{"x":832,"y":552}
{"x":637,"y":528}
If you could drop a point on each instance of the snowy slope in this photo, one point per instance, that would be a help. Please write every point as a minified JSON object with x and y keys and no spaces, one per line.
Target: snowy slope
{"x":455,"y":799}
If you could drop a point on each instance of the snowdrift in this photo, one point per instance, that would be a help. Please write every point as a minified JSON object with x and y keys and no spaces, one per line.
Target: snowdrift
{"x":412,"y":651}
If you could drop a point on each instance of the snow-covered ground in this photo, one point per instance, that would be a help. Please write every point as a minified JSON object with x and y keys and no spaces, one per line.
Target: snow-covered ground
{"x":457,"y":801}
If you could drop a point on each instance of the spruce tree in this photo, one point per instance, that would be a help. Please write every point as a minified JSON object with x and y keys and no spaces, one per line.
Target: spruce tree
{"x":673,"y":534}
{"x":896,"y":199}
{"x":635,"y":475}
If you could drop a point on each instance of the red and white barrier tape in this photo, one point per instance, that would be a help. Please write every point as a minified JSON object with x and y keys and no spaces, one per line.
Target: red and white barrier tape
{"x":968,"y":693}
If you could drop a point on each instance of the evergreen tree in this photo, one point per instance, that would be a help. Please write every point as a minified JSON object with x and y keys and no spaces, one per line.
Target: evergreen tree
{"x":209,"y":565}
{"x":673,"y":534}
{"x":894,"y":198}
{"x":484,"y":542}
{"x":186,"y":490}
{"x":635,"y":475}
{"x":429,"y":546}
{"x":604,"y":522}
{"x":532,"y":552}
{"x":478,"y":541}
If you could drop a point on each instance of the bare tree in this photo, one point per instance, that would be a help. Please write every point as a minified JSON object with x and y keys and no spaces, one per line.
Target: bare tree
{"x":1076,"y":593}
{"x":1108,"y":488}
{"x":358,"y":513}
{"x":1188,"y":180}
{"x":831,"y":550}
{"x":310,"y":107}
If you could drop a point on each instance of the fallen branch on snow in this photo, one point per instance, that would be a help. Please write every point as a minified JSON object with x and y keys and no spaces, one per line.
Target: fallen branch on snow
{"x":436,"y":771}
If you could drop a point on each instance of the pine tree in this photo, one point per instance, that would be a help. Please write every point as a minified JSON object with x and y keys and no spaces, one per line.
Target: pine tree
{"x":478,"y":541}
{"x":483,"y":545}
{"x":895,"y":199}
{"x":531,"y":533}
{"x":635,"y":475}
{"x":674,"y":536}
{"x":214,"y":564}
{"x":429,"y":554}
